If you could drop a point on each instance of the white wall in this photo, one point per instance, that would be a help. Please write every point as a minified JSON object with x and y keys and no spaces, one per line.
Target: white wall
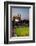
{"x":2,"y":24}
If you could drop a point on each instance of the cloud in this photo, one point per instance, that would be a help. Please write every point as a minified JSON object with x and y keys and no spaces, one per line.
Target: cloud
{"x":23,"y":11}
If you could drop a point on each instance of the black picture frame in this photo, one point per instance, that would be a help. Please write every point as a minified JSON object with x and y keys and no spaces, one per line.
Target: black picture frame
{"x":6,"y":41}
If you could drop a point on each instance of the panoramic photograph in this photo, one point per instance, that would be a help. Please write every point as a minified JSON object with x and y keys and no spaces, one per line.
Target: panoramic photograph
{"x":19,"y":22}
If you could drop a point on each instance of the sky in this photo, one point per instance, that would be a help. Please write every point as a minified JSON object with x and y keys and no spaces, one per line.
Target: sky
{"x":23,"y":11}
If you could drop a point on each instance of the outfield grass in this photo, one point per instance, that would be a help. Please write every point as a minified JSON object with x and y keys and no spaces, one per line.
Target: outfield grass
{"x":22,"y":31}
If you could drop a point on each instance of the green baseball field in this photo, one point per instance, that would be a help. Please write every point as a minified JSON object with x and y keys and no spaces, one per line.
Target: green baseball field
{"x":22,"y":31}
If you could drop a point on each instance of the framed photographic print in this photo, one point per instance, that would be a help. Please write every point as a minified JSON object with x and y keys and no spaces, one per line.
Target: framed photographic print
{"x":19,"y":22}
